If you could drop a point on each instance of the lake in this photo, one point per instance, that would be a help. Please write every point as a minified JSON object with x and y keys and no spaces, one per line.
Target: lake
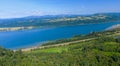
{"x":34,"y":37}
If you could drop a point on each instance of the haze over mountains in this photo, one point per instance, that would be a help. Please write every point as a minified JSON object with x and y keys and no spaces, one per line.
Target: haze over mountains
{"x":59,"y":20}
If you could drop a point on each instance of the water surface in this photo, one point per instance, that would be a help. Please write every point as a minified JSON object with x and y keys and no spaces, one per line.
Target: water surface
{"x":29,"y":38}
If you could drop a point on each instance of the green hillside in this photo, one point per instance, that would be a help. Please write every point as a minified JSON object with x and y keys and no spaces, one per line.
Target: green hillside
{"x":102,"y":51}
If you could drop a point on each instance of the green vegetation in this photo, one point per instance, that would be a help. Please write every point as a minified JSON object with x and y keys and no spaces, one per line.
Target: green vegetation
{"x":102,"y":51}
{"x":52,"y":50}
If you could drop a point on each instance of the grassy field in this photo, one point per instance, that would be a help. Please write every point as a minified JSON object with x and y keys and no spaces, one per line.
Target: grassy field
{"x":52,"y":50}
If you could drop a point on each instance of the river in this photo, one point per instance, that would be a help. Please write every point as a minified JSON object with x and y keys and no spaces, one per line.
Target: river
{"x":34,"y":37}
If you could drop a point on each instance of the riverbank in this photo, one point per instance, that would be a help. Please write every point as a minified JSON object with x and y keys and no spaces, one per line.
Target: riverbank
{"x":96,"y":52}
{"x":114,"y":27}
{"x":56,"y":45}
{"x":116,"y":33}
{"x":4,"y":29}
{"x":15,"y":28}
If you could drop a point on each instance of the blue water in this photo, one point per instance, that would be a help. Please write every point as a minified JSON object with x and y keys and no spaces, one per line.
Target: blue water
{"x":29,"y":38}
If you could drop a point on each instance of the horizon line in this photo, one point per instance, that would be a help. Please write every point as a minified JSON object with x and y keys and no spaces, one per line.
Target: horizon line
{"x":54,"y":15}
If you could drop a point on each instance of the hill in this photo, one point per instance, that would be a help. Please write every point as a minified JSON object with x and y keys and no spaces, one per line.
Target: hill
{"x":59,"y":20}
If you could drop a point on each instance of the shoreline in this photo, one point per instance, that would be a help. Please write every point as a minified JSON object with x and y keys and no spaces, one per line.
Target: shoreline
{"x":5,"y":29}
{"x":62,"y":44}
{"x":33,"y":47}
{"x":65,"y":43}
{"x":55,"y":45}
{"x":113,"y":27}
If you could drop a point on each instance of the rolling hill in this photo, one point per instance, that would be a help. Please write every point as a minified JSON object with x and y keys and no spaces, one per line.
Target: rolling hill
{"x":59,"y":20}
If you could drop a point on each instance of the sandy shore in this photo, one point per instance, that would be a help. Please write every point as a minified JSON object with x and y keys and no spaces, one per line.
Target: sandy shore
{"x":113,"y":27}
{"x":15,"y":28}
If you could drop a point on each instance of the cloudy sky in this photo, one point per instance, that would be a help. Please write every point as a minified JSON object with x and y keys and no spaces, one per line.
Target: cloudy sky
{"x":21,"y":8}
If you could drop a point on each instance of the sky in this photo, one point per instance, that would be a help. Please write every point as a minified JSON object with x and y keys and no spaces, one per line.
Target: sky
{"x":22,"y":8}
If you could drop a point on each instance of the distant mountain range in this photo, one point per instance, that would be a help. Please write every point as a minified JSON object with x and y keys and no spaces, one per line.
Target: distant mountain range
{"x":59,"y":20}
